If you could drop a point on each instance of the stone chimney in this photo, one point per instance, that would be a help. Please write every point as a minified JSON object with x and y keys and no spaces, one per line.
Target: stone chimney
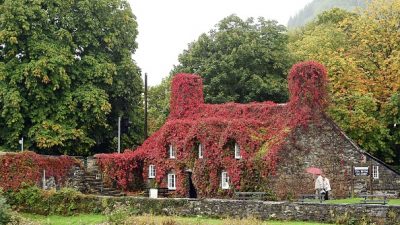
{"x":186,"y":95}
{"x":308,"y":87}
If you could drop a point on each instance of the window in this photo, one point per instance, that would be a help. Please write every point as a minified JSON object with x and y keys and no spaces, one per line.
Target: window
{"x":200,"y":151}
{"x":171,"y":152}
{"x":375,"y":172}
{"x":237,"y":152}
{"x":152,"y":171}
{"x":171,"y":181}
{"x":224,"y":180}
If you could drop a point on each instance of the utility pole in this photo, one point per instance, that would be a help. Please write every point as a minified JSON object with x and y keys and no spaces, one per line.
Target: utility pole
{"x":145,"y":106}
{"x":21,"y":142}
{"x":119,"y":134}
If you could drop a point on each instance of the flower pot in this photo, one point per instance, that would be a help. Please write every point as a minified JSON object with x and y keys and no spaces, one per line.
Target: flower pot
{"x":153,"y":193}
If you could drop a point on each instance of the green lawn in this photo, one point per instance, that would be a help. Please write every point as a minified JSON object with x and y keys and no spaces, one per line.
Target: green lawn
{"x":358,"y":200}
{"x":150,"y":219}
{"x":67,"y":220}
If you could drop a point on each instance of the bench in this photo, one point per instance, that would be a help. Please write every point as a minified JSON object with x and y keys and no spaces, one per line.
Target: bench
{"x":164,"y":192}
{"x":374,"y":199}
{"x":311,"y":197}
{"x":250,"y":195}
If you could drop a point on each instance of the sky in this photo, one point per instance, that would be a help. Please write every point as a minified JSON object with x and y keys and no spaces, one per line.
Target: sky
{"x":166,"y":27}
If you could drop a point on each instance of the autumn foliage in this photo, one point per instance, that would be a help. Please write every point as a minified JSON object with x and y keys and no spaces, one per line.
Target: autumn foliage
{"x":27,"y":168}
{"x":308,"y":89}
{"x":119,"y":167}
{"x":259,"y":129}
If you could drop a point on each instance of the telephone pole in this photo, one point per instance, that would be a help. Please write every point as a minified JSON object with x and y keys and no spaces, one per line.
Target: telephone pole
{"x":145,"y":106}
{"x":119,"y":134}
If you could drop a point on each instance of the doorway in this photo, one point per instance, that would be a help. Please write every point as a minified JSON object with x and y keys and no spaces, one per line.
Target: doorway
{"x":192,"y":189}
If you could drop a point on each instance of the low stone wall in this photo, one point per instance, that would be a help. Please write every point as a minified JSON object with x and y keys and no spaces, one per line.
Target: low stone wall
{"x":218,"y":208}
{"x":293,"y":211}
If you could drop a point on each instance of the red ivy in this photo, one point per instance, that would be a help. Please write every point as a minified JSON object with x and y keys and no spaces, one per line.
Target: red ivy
{"x":260,"y":129}
{"x":119,"y":167}
{"x":190,"y":89}
{"x":308,"y":90}
{"x":27,"y":167}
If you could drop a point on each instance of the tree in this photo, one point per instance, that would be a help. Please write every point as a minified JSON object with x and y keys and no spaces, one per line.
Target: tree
{"x":158,"y":100}
{"x":66,"y":74}
{"x":240,"y":61}
{"x":361,"y":55}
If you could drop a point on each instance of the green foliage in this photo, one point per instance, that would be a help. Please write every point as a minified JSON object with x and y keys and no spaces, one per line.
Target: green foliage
{"x":66,"y":74}
{"x":67,"y":202}
{"x":118,"y":214}
{"x":240,"y":61}
{"x":5,"y":216}
{"x":361,"y":55}
{"x":158,"y":104}
{"x":64,"y":202}
{"x":27,"y":197}
{"x":311,"y":10}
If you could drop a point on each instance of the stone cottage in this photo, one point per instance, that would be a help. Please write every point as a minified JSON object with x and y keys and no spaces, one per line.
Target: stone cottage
{"x":213,"y":150}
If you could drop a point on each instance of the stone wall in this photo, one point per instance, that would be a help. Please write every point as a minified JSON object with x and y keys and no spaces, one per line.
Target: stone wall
{"x":292,"y":211}
{"x":325,"y":146}
{"x":217,"y":208}
{"x":388,"y":182}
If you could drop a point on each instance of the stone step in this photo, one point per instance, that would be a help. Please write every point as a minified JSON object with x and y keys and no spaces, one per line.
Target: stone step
{"x":93,"y":173}
{"x":89,"y":181}
{"x":93,"y":180}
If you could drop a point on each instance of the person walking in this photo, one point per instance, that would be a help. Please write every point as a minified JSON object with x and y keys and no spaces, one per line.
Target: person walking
{"x":326,"y":186}
{"x":319,"y":185}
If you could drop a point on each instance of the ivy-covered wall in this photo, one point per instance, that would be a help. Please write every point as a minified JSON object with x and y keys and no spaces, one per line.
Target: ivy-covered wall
{"x":26,"y":168}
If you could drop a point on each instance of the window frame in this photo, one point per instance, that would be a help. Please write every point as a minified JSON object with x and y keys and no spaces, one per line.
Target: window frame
{"x":172,"y":152}
{"x":237,"y":151}
{"x":375,"y":172}
{"x":200,"y":150}
{"x":225,"y":180}
{"x":152,"y":171}
{"x":171,"y":177}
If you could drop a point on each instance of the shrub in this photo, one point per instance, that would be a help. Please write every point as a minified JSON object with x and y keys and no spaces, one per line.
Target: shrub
{"x":117,"y":213}
{"x":28,"y":197}
{"x":31,"y":199}
{"x":5,"y":215}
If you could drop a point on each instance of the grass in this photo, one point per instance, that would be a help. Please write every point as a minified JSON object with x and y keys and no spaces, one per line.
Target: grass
{"x":66,"y":220}
{"x":151,"y":219}
{"x":357,"y":201}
